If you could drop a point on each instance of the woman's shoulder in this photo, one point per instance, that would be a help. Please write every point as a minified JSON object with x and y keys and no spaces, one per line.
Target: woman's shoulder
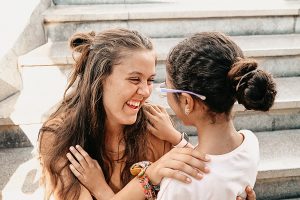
{"x":47,"y":134}
{"x":157,"y":147}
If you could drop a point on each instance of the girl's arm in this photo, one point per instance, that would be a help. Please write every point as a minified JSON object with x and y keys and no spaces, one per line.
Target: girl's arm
{"x":161,"y":126}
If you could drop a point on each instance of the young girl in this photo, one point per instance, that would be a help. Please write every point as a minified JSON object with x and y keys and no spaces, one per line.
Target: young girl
{"x":206,"y":74}
{"x":192,"y":64}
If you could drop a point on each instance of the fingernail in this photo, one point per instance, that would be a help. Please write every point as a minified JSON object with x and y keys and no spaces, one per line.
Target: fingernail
{"x":199,"y":175}
{"x":72,"y":148}
{"x":188,"y":180}
{"x":248,"y":189}
{"x":77,"y":146}
{"x":206,"y":169}
{"x":207,"y":157}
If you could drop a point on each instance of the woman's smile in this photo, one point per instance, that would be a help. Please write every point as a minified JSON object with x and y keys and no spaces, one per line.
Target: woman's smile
{"x":134,"y":104}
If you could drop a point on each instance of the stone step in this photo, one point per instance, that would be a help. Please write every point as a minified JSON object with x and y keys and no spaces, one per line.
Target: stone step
{"x":292,"y":199}
{"x":19,"y":175}
{"x":278,"y":177}
{"x":92,"y":2}
{"x":278,"y":54}
{"x":177,"y":19}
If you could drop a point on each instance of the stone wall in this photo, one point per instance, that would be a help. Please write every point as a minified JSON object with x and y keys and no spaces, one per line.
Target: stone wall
{"x":21,"y":31}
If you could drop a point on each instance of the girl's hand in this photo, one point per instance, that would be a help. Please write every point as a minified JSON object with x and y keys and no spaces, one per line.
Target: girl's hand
{"x":160,"y":124}
{"x":178,"y":160}
{"x":89,"y":173}
{"x":250,"y":194}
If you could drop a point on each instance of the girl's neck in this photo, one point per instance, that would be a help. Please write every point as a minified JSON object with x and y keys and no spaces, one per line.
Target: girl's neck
{"x":217,"y":138}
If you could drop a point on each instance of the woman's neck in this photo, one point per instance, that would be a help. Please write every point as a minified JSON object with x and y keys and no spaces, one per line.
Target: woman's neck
{"x":217,"y":138}
{"x":114,"y":134}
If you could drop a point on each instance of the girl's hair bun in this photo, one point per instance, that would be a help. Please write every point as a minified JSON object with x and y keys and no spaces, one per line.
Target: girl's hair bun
{"x":254,"y":88}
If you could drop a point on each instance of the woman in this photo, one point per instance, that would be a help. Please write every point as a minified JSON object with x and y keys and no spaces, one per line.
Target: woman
{"x":103,"y":111}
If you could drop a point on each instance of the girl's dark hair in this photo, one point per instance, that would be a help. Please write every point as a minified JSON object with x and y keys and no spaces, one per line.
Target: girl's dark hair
{"x":211,"y":64}
{"x":82,"y":112}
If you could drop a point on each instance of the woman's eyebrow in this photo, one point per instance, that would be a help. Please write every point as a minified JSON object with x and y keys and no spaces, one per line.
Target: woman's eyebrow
{"x":139,"y":73}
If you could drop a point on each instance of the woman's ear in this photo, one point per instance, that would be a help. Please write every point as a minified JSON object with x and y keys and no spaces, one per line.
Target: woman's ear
{"x":188,"y":103}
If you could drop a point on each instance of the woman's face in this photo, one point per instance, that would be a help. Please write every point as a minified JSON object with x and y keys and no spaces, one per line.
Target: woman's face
{"x":129,"y":85}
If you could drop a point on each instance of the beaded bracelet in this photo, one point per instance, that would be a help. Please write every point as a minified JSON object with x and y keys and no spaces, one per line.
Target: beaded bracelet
{"x":139,"y":169}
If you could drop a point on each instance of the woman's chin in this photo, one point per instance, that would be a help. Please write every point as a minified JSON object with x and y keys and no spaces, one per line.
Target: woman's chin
{"x":129,"y":120}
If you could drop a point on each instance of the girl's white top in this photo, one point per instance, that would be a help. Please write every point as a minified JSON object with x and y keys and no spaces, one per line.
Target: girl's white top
{"x":229,"y":175}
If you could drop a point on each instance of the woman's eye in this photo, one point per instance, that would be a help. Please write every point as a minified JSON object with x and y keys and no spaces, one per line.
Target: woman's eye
{"x":134,"y":80}
{"x":150,"y":81}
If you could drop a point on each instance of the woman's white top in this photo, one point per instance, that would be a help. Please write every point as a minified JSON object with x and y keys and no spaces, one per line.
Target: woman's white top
{"x":229,"y":175}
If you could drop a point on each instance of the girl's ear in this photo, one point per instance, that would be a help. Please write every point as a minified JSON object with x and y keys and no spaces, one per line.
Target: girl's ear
{"x":188,"y":103}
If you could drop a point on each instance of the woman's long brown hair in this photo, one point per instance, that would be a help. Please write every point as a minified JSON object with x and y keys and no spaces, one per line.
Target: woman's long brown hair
{"x":80,"y":117}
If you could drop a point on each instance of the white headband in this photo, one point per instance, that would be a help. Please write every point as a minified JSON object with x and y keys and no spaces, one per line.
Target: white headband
{"x":238,"y":85}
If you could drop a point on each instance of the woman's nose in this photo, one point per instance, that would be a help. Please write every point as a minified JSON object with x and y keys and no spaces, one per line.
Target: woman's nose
{"x":144,"y":89}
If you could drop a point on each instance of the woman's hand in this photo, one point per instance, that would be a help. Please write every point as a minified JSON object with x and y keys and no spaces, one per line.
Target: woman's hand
{"x":160,"y":124}
{"x":89,"y":173}
{"x":250,"y":194}
{"x":186,"y":160}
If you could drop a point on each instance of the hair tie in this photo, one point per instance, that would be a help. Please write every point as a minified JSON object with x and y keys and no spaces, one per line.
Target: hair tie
{"x":245,"y":75}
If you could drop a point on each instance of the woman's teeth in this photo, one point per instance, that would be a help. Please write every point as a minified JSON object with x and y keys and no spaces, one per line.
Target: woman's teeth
{"x":134,"y":103}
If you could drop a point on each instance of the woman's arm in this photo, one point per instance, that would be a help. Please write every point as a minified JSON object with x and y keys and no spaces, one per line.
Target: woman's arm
{"x":46,"y":141}
{"x":164,"y":167}
{"x":89,"y":173}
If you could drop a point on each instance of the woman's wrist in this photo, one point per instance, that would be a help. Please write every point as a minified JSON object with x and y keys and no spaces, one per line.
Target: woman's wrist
{"x":139,"y":170}
{"x":104,"y":195}
{"x":104,"y":192}
{"x":153,"y":175}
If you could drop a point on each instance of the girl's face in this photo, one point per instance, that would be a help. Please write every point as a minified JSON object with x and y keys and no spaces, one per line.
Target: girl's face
{"x":176,"y":105}
{"x":129,"y":85}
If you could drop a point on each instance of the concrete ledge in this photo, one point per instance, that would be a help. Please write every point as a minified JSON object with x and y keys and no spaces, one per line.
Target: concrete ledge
{"x":92,"y":2}
{"x":278,"y":188}
{"x":172,"y":10}
{"x":58,"y":53}
{"x":12,"y":137}
{"x":43,"y":90}
{"x":176,"y":18}
{"x":279,"y":151}
{"x":280,"y":154}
